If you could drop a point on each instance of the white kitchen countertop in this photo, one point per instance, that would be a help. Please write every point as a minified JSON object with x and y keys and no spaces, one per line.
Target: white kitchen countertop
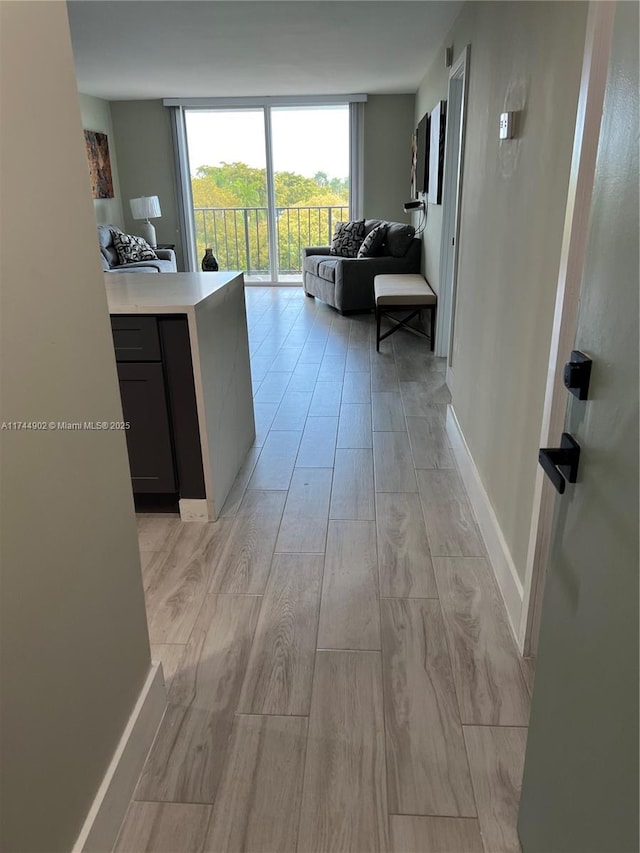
{"x":164,"y":293}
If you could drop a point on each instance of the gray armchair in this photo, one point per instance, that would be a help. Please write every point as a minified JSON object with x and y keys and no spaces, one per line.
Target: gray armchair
{"x":347,"y":283}
{"x":166,"y":261}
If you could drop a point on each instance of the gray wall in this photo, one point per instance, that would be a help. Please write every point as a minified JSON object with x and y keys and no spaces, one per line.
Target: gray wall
{"x":388,"y":127}
{"x":142,"y":132}
{"x":96,"y":115}
{"x":73,"y":635}
{"x":528,"y":57}
{"x":434,"y":88}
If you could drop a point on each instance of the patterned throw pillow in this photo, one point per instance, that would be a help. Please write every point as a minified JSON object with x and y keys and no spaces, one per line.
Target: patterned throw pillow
{"x":131,"y":249}
{"x":347,"y":238}
{"x":373,"y":242}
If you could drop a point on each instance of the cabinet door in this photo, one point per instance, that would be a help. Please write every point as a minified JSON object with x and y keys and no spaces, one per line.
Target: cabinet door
{"x":144,"y":406}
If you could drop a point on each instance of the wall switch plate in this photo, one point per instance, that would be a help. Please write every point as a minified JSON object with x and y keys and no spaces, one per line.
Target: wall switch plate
{"x":507,"y":124}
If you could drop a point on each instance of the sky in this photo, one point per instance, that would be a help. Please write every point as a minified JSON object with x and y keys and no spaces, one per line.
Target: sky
{"x":305,"y":140}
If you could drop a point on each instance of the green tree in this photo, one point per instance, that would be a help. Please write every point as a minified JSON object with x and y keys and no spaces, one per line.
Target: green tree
{"x":248,"y":185}
{"x":292,"y":188}
{"x":230,"y":214}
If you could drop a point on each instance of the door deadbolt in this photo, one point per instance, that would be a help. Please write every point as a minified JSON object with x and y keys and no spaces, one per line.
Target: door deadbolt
{"x":577,"y":374}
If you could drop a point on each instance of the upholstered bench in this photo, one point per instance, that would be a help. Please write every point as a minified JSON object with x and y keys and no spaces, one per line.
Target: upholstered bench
{"x":408,"y":292}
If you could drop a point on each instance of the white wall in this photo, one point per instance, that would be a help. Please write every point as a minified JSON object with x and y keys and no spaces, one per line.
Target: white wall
{"x":73,"y":636}
{"x":145,"y":150}
{"x":96,"y":115}
{"x":525,"y":56}
{"x":388,"y":127}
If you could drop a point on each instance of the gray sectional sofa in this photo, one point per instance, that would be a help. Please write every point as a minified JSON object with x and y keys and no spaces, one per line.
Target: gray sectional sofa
{"x":347,"y":283}
{"x":166,"y":261}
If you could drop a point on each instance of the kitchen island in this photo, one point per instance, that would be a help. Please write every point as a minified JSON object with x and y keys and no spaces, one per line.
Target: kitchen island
{"x":182,"y":353}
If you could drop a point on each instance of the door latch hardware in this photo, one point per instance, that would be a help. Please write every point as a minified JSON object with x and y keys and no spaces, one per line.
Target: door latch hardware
{"x":560,"y":464}
{"x":577,"y":374}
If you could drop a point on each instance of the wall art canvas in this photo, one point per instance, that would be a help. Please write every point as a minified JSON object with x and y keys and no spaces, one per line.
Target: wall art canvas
{"x":99,"y":164}
{"x":414,"y":162}
{"x":436,"y":152}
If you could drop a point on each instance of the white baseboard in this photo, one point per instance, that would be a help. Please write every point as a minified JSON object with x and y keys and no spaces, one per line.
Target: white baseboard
{"x":194,"y":509}
{"x":449,"y":379}
{"x":100,"y":829}
{"x":500,"y":557}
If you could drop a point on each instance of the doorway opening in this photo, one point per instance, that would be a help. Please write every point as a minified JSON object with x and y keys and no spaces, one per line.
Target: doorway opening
{"x":452,"y":194}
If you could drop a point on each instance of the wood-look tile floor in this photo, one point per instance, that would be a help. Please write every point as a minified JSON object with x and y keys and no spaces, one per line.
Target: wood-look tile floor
{"x":340,"y":671}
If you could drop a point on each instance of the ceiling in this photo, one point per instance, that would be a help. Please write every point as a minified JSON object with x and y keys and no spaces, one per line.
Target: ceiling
{"x":136,"y":49}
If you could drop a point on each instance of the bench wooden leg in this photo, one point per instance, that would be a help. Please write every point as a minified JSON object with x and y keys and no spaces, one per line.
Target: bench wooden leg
{"x":378,"y":319}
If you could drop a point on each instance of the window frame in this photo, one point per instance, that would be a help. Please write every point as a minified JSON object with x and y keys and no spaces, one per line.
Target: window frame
{"x":178,"y":108}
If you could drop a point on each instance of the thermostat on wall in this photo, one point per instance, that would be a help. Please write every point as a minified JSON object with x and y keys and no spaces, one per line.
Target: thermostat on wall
{"x":507,"y":124}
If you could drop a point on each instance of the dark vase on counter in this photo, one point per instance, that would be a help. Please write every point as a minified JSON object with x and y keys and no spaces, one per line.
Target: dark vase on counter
{"x":209,"y":262}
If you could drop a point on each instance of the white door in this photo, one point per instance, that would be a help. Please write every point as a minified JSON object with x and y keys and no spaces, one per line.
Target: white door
{"x":580,"y":785}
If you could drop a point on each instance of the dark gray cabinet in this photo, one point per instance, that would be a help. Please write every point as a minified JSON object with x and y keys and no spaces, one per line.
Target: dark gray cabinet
{"x":155,"y":371}
{"x":136,"y":338}
{"x":144,"y":407}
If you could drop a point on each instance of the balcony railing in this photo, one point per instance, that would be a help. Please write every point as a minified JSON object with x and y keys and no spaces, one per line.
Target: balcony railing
{"x":239,"y":236}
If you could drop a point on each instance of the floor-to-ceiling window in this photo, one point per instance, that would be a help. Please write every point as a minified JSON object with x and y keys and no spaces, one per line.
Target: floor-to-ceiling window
{"x":310,"y":155}
{"x":261,"y":182}
{"x":228,"y":171}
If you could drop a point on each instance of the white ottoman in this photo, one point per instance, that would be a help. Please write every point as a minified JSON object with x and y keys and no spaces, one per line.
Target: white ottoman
{"x":409,"y":292}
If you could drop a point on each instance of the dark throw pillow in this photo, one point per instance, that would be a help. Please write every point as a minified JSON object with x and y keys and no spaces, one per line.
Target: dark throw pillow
{"x":131,"y":249}
{"x":348,"y":238}
{"x":373,"y":242}
{"x":398,"y":239}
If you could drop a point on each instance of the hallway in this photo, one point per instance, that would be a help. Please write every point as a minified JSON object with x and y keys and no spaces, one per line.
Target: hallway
{"x":340,"y":671}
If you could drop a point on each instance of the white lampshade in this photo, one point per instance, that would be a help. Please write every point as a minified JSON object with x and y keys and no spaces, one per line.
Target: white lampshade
{"x":145,"y":207}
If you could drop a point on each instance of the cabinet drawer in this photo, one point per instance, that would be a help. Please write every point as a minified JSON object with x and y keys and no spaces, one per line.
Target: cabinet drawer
{"x":135,"y":338}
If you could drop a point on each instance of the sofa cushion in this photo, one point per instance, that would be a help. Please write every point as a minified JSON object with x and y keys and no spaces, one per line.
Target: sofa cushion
{"x":111,"y":256}
{"x":156,"y":265}
{"x":312,"y":262}
{"x":347,"y":238}
{"x":164,"y":265}
{"x":398,"y":239}
{"x":105,"y":241}
{"x":373,"y":242}
{"x":105,"y":235}
{"x":132,"y":269}
{"x":327,"y":269}
{"x":131,"y":249}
